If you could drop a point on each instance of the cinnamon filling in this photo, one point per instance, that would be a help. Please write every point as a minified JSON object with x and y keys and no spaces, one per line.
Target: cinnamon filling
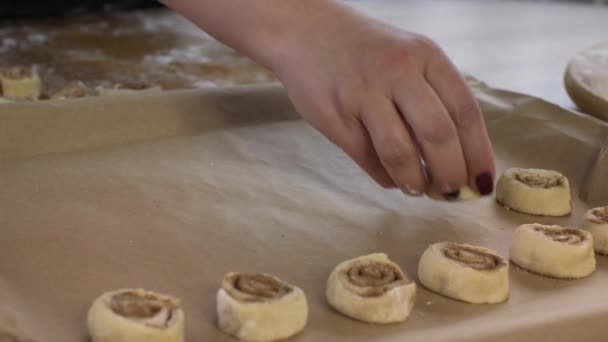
{"x":601,"y":214}
{"x":148,"y":308}
{"x":374,"y":277}
{"x":539,"y":181}
{"x":473,"y":257}
{"x":569,"y":236}
{"x":255,"y":287}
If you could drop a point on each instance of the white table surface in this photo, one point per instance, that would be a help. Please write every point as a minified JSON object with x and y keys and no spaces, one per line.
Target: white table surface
{"x":516,"y":45}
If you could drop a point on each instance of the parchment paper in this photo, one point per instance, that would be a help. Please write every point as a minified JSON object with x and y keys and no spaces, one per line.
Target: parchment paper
{"x":169,"y":193}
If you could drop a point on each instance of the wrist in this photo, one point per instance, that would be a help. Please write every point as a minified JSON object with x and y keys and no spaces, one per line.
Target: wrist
{"x":271,"y":32}
{"x":294,"y":29}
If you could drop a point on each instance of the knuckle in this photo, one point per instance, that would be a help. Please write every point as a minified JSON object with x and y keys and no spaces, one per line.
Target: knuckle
{"x":395,"y":153}
{"x":349,"y":96}
{"x":426,"y":44}
{"x":398,"y":59}
{"x":399,"y":63}
{"x":360,"y":150}
{"x":466,"y":114}
{"x":439,"y":132}
{"x":362,"y":155}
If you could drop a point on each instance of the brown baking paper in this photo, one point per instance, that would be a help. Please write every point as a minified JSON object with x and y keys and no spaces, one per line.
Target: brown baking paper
{"x":170,"y":193}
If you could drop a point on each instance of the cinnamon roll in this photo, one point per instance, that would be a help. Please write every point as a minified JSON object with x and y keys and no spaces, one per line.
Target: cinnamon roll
{"x":534,"y":191}
{"x":135,"y":315}
{"x":596,"y":222}
{"x":371,"y":288}
{"x":19,"y":83}
{"x":260,"y":307}
{"x":553,"y":251}
{"x":464,"y":272}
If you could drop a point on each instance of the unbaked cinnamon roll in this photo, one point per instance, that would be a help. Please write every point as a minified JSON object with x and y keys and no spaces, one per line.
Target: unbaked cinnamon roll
{"x":464,"y":272}
{"x":135,"y":315}
{"x":553,"y":251}
{"x":596,"y":222}
{"x":20,"y":83}
{"x":371,"y":288}
{"x":534,"y":191}
{"x":260,"y":307}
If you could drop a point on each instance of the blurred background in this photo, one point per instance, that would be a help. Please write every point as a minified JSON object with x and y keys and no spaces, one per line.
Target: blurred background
{"x":18,"y":8}
{"x":522,"y":45}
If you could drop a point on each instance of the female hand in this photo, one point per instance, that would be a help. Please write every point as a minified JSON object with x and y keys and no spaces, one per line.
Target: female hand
{"x":392,"y":100}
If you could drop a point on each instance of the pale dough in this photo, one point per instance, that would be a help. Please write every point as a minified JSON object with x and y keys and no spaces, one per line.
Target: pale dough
{"x":553,"y":251}
{"x":464,"y":272}
{"x":135,"y":315}
{"x":20,"y":83}
{"x":466,"y":193}
{"x":260,"y":307}
{"x":371,"y":288}
{"x":534,"y":191}
{"x":596,"y":222}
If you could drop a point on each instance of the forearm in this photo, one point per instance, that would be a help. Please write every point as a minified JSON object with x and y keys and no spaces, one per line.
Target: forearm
{"x":391,"y":99}
{"x":258,"y":28}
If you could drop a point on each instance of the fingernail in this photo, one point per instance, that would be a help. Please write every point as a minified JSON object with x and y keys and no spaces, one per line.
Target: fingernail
{"x":412,"y":192}
{"x":451,"y":196}
{"x":485,"y":183}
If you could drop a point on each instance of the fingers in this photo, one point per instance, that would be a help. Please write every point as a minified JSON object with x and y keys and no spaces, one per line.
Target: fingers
{"x":394,"y":146}
{"x":360,"y":148}
{"x":466,"y":115}
{"x":435,"y":133}
{"x":355,"y":141}
{"x":344,"y":130}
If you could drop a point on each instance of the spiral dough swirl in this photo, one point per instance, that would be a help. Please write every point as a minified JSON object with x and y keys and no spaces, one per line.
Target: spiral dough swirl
{"x":150,"y":308}
{"x":539,"y":181}
{"x":255,"y":287}
{"x":472,"y":257}
{"x":374,"y":278}
{"x":600,"y":214}
{"x":569,"y":236}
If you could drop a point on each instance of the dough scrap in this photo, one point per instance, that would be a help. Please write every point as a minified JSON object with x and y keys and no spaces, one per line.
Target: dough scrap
{"x":72,"y":90}
{"x":466,"y":193}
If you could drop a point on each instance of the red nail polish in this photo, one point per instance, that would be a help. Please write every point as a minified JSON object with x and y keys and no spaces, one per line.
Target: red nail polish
{"x":485,"y":183}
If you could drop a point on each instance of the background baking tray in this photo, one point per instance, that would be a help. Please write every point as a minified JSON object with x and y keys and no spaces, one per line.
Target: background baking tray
{"x":171,"y":192}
